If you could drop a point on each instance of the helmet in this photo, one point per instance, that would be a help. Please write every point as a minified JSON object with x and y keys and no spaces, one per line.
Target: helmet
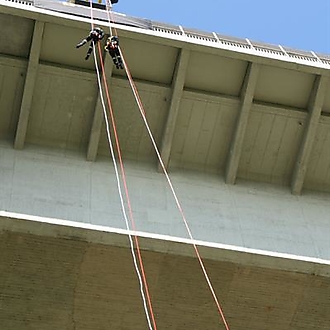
{"x":98,"y":33}
{"x":115,"y":39}
{"x":99,"y":30}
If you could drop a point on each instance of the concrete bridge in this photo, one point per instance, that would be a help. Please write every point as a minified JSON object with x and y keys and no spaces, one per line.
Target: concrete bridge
{"x":243,"y":130}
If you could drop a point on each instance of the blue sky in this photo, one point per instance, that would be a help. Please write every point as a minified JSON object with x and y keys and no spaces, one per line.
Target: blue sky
{"x":300,"y":24}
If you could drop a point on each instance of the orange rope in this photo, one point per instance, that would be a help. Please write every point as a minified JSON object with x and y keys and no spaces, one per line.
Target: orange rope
{"x":142,"y":111}
{"x":126,"y":191}
{"x":124,"y":177}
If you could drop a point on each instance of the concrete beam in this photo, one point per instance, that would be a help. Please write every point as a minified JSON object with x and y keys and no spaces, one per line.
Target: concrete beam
{"x":10,"y":60}
{"x":30,"y":79}
{"x":78,"y":73}
{"x":177,"y":90}
{"x":247,"y":93}
{"x":95,"y":133}
{"x":315,"y":106}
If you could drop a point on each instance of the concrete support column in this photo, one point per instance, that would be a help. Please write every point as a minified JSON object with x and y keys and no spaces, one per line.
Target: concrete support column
{"x":314,"y":109}
{"x":247,"y":94}
{"x":95,"y":133}
{"x":177,"y":90}
{"x":30,"y":79}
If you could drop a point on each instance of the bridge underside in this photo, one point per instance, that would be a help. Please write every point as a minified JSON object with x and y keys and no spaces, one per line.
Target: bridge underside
{"x":238,"y":111}
{"x":69,"y":278}
{"x":214,"y":104}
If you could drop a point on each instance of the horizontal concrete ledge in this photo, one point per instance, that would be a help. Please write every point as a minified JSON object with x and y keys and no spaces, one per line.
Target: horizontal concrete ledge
{"x":50,"y":227}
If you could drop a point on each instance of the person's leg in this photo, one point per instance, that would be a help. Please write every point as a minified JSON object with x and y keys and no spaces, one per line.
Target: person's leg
{"x":89,"y":51}
{"x":119,"y":59}
{"x":120,"y":63}
{"x":115,"y":61}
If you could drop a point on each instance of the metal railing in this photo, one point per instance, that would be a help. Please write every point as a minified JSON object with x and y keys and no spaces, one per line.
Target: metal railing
{"x":212,"y":38}
{"x":240,"y":43}
{"x":22,"y":2}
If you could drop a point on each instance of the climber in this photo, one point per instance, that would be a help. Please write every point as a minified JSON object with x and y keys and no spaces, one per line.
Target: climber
{"x":94,"y":36}
{"x":112,"y":47}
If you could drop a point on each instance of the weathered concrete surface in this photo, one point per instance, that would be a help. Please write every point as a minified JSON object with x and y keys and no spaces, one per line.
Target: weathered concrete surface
{"x":60,"y":283}
{"x":62,"y":185}
{"x":58,"y":278}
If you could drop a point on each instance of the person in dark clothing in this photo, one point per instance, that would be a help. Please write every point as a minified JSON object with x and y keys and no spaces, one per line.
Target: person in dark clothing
{"x":95,"y":35}
{"x":112,"y":47}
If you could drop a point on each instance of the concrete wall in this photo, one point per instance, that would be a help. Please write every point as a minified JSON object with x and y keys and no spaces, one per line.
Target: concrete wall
{"x":64,"y":185}
{"x":56,"y":283}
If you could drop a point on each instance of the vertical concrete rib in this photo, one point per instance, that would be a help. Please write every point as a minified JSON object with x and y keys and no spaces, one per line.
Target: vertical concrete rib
{"x":316,"y":102}
{"x":94,"y":137}
{"x":30,"y":79}
{"x":247,"y":94}
{"x":177,"y":90}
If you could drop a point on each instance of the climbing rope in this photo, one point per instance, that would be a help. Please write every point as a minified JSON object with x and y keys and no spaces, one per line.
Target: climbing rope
{"x":110,"y":18}
{"x":142,"y":279}
{"x":143,"y":115}
{"x":120,"y":193}
{"x":127,"y":196}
